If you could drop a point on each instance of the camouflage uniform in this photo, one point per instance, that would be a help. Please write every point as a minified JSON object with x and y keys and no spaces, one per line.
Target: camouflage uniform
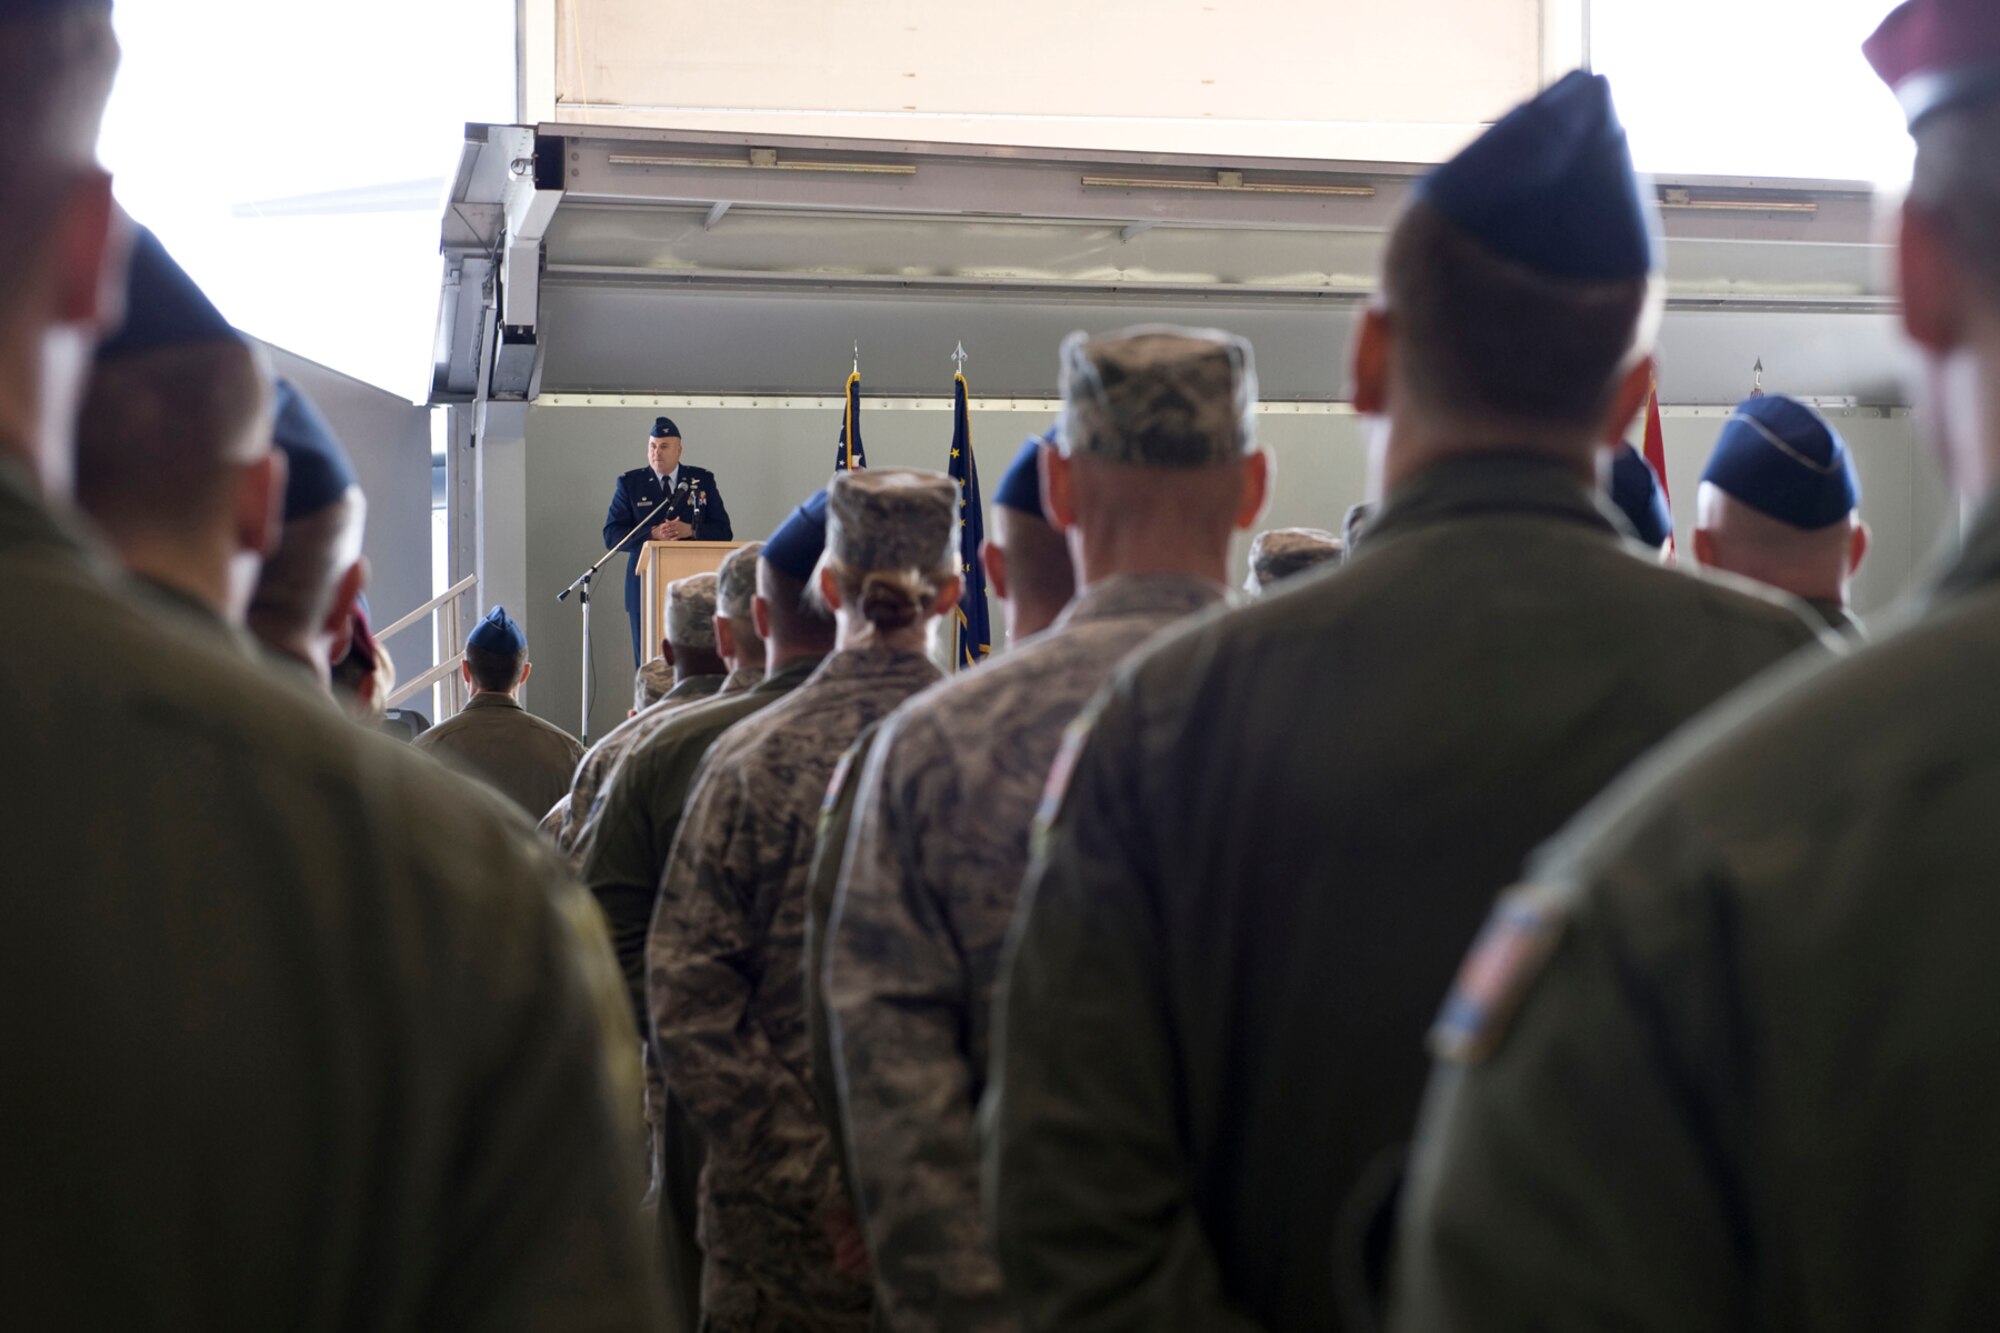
{"x":724,"y":975}
{"x":602,"y":757}
{"x":938,"y":850}
{"x":726,"y":953}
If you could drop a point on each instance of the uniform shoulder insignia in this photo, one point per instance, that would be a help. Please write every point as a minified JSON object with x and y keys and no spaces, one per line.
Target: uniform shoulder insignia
{"x":1509,"y":954}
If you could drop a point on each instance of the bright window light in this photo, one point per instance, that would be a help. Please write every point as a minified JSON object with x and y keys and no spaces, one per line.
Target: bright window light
{"x":294,"y":158}
{"x":1751,"y":88}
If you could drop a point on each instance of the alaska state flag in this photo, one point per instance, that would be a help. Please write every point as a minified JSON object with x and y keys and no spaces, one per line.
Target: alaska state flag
{"x":849,"y":455}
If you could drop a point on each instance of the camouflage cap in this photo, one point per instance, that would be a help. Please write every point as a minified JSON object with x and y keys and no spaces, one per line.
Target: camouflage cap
{"x":1281,"y":553}
{"x":736,"y":581}
{"x":650,"y":682}
{"x":691,"y":611}
{"x":1158,"y":394}
{"x":887,"y":518}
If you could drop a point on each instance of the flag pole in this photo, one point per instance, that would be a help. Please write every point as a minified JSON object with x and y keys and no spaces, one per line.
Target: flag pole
{"x":958,"y":359}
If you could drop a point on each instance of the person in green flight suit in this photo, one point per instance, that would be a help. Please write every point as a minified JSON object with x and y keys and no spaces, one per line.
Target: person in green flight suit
{"x":1726,"y":1061}
{"x":1271,"y":838}
{"x":493,"y":738}
{"x":299,"y":1030}
{"x":1780,"y":503}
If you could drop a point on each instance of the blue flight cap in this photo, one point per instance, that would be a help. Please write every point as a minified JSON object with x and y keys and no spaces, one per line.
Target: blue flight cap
{"x":498,"y":633}
{"x":1551,"y":187}
{"x":1636,"y":492}
{"x":316,"y":468}
{"x":163,"y":307}
{"x":664,"y":427}
{"x":1782,"y":459}
{"x":1021,"y":486}
{"x":796,"y":545}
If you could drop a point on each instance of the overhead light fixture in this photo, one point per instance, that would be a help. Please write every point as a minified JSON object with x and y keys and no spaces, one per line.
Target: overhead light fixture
{"x":764,"y":159}
{"x":1675,"y":198}
{"x":1227,"y":182}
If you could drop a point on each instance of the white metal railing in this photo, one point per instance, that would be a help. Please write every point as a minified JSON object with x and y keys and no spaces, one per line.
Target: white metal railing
{"x":447,"y":651}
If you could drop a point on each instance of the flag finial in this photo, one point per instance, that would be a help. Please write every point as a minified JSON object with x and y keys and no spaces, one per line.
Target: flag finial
{"x":857,"y":356}
{"x":958,"y":358}
{"x":1757,"y":379}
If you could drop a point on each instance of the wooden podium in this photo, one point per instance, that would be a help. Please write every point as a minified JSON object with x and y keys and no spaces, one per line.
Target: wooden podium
{"x":660,"y":563}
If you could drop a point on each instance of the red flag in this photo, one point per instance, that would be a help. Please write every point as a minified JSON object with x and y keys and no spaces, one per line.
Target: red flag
{"x":1655,"y":448}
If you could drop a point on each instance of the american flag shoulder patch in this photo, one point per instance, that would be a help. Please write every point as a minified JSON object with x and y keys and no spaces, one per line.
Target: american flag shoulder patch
{"x":1515,"y":943}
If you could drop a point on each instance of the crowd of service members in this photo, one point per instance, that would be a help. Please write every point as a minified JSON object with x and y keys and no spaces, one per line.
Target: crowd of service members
{"x":1133,"y":979}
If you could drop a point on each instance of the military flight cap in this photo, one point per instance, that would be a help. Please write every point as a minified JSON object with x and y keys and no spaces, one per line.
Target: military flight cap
{"x":1551,"y":187}
{"x":795,"y":545}
{"x":1782,"y":459}
{"x":891,"y":518}
{"x":1158,"y":394}
{"x":163,"y":307}
{"x":736,"y":581}
{"x":1279,"y":553}
{"x":1020,"y":486}
{"x":1937,"y":54}
{"x":317,"y":471}
{"x":664,"y":429}
{"x":691,"y":611}
{"x":1636,"y":493}
{"x":498,"y":633}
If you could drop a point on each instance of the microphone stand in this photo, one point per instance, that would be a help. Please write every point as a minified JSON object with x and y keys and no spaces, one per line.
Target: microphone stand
{"x":581,"y":587}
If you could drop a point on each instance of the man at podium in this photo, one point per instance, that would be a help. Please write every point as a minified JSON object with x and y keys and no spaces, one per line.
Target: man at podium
{"x":676,"y":503}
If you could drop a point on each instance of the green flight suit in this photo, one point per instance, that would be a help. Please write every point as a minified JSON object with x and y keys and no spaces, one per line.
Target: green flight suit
{"x":297,"y":1028}
{"x":494,"y":739}
{"x":1750,"y":1085}
{"x":1280,"y":830}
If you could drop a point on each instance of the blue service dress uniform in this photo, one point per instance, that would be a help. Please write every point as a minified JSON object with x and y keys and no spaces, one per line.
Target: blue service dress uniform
{"x":694,"y":498}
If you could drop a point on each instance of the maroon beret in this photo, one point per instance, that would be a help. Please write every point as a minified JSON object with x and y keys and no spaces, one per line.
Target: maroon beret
{"x":1938,"y":54}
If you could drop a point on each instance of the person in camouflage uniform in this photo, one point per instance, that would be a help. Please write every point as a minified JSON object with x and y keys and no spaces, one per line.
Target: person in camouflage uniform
{"x":650,"y":684}
{"x":1028,"y":567}
{"x":726,"y":952}
{"x":1157,"y":470}
{"x":700,"y":672}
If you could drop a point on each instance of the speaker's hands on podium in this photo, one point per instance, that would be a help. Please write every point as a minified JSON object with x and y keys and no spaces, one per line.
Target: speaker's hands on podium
{"x":673,"y":530}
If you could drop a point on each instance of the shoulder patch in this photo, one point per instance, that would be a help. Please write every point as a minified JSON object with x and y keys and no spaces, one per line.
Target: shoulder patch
{"x":1512,"y":948}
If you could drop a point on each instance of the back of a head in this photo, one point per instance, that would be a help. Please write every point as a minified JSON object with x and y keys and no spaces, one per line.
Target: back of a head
{"x":57,"y":60}
{"x":1040,"y":575}
{"x":1635,"y":492}
{"x":495,"y":652}
{"x":889,"y":542}
{"x":1778,"y":499}
{"x":1157,"y":422}
{"x":324,"y":518}
{"x":1519,"y":283}
{"x":800,"y":623}
{"x":691,"y":614}
{"x":177,"y":401}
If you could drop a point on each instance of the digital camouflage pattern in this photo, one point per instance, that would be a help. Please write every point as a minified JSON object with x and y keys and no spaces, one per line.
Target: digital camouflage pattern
{"x":691,"y":611}
{"x":736,"y":581}
{"x":651,"y":682}
{"x":1156,"y":394}
{"x":623,"y":852}
{"x":502,"y":744}
{"x":1281,"y":553}
{"x":724,"y":971}
{"x":892,"y":519}
{"x":937,"y":851}
{"x":602,"y":757}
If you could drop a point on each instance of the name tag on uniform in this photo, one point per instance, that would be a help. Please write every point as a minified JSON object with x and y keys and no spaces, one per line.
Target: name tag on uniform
{"x":645,"y":504}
